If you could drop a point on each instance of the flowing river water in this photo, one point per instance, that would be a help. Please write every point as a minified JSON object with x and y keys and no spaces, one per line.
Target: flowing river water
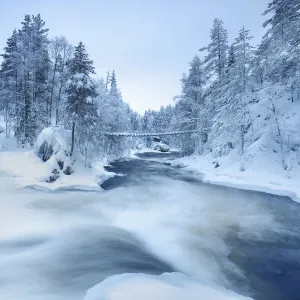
{"x":151,"y":219}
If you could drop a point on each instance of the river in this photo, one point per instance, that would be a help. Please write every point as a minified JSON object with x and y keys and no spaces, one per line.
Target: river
{"x":151,"y":219}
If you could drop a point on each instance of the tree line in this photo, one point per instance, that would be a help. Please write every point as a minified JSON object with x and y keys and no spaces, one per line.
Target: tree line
{"x":230,"y":93}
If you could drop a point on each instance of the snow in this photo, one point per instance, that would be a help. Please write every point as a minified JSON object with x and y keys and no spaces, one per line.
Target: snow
{"x":59,"y":138}
{"x":270,"y":163}
{"x":135,"y":134}
{"x":264,"y":172}
{"x":5,"y":143}
{"x":173,"y":286}
{"x":80,"y":80}
{"x":143,"y":149}
{"x":26,"y":169}
{"x":160,"y":147}
{"x":188,"y":230}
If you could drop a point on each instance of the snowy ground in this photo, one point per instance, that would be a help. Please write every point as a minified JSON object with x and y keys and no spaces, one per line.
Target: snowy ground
{"x":265,"y":173}
{"x":26,"y":169}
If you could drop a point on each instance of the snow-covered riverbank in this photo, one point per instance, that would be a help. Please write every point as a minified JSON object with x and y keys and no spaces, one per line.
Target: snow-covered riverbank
{"x":26,"y":169}
{"x":265,"y":175}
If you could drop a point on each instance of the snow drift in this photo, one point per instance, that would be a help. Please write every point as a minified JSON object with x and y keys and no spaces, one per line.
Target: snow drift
{"x":173,"y":286}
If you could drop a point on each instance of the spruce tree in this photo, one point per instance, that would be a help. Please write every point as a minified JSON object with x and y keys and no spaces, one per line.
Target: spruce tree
{"x":33,"y":49}
{"x":244,"y":55}
{"x":216,"y":58}
{"x":9,"y":80}
{"x":60,"y":52}
{"x":81,"y":91}
{"x":25,"y":73}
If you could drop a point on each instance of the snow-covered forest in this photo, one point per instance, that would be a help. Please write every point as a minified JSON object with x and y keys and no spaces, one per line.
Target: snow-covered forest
{"x":241,"y":99}
{"x":50,"y":82}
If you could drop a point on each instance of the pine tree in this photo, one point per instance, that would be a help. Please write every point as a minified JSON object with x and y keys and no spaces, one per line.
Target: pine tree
{"x":108,"y":78}
{"x":232,"y":120}
{"x":190,"y":109}
{"x":25,"y":70}
{"x":9,"y":80}
{"x":60,"y":52}
{"x":284,"y":21}
{"x":231,"y":56}
{"x":193,"y":88}
{"x":34,"y":66}
{"x":244,"y":56}
{"x":216,"y":58}
{"x":113,"y":85}
{"x":81,"y":90}
{"x":40,"y":69}
{"x":279,"y":50}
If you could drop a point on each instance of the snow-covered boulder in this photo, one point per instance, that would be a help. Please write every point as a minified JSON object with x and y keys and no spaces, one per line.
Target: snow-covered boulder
{"x":53,"y":147}
{"x":161,"y":147}
{"x":53,"y":140}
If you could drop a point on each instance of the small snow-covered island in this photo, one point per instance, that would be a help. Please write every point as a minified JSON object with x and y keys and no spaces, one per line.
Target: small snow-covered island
{"x":122,"y":178}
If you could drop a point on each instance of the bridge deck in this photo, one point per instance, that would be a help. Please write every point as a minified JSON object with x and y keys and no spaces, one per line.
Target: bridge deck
{"x":137,"y":134}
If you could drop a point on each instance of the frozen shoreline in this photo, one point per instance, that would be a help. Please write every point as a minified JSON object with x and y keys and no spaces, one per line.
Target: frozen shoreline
{"x":26,"y":169}
{"x":260,"y":180}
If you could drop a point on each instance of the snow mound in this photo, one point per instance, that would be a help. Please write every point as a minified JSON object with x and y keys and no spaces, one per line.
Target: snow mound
{"x":25,"y":169}
{"x":57,"y":138}
{"x":53,"y":147}
{"x":173,"y":286}
{"x":159,"y":146}
{"x":50,"y":167}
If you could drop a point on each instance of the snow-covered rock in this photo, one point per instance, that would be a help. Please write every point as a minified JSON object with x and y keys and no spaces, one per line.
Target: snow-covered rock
{"x":53,"y":139}
{"x":53,"y":147}
{"x":161,"y":147}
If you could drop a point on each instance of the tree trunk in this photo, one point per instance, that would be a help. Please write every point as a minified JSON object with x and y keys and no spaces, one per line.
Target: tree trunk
{"x":56,"y":116}
{"x":6,"y":121}
{"x":57,"y":104}
{"x":52,"y":92}
{"x":73,"y":138}
{"x":242,"y":139}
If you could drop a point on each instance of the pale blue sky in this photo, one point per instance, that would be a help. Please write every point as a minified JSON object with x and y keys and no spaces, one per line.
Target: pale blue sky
{"x":147,"y":42}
